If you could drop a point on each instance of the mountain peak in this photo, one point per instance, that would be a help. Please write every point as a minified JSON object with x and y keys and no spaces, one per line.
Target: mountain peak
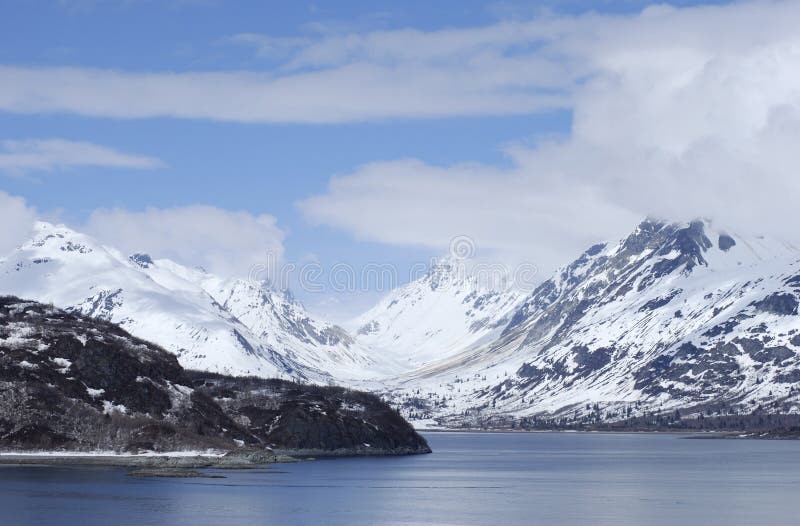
{"x":142,"y":260}
{"x":50,"y":237}
{"x":44,"y":228}
{"x":445,"y":271}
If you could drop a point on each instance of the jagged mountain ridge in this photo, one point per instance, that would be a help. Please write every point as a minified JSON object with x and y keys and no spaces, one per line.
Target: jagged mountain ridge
{"x":227,"y":326}
{"x":673,"y":316}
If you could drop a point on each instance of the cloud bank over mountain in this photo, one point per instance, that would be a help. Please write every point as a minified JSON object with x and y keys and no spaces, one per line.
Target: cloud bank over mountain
{"x":676,"y":113}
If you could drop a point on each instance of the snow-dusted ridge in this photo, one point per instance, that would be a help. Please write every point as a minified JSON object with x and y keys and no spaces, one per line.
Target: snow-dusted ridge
{"x":673,"y":316}
{"x":229,"y":326}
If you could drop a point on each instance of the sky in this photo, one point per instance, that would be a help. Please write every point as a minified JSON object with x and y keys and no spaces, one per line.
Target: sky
{"x":245,"y":135}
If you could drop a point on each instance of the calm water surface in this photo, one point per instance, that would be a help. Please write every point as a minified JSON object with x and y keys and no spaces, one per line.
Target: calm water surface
{"x":495,"y":479}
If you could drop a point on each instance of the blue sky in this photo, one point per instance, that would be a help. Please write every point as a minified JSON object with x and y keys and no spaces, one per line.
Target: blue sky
{"x":274,"y":163}
{"x":256,"y":167}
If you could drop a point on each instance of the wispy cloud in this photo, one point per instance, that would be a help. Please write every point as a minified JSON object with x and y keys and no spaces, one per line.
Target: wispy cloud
{"x":353,"y":92}
{"x":22,"y":156}
{"x":267,"y":46}
{"x":509,"y":67}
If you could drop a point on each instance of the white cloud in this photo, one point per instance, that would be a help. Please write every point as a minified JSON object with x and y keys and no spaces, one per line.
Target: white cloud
{"x":510,"y":67}
{"x":677,"y":112}
{"x":17,"y":219}
{"x":19,"y":157}
{"x":354,"y":92}
{"x":681,"y":113}
{"x":229,"y":243}
{"x":509,"y":214}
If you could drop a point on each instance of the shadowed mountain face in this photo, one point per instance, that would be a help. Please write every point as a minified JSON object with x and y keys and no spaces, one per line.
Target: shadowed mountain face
{"x":77,"y":383}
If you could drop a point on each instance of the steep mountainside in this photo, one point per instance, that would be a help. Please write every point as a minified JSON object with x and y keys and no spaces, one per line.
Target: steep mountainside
{"x":227,"y":326}
{"x":444,"y":312}
{"x":70,"y":382}
{"x":672,"y":317}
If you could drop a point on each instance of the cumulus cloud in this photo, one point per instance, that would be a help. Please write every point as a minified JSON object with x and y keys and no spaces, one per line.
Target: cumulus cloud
{"x":17,"y":219}
{"x":681,"y":113}
{"x":20,"y":157}
{"x":221,"y":241}
{"x":510,"y":215}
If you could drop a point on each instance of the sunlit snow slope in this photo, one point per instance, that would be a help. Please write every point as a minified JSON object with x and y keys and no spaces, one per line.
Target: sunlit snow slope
{"x":229,"y":326}
{"x":441,"y":314}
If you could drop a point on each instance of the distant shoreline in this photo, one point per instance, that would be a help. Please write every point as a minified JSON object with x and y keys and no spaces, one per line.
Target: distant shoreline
{"x":689,"y":434}
{"x":564,"y":431}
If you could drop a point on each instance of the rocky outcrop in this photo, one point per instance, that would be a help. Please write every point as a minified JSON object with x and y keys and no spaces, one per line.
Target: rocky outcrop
{"x":312,"y":419}
{"x":70,"y":382}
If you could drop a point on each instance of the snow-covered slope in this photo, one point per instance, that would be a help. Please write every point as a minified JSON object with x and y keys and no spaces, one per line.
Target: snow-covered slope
{"x":674,"y":316}
{"x":443,"y":313}
{"x":228,"y":326}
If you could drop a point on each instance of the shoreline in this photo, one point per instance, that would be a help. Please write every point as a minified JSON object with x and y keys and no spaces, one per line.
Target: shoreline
{"x":263,"y":459}
{"x":134,"y":461}
{"x":190,"y":459}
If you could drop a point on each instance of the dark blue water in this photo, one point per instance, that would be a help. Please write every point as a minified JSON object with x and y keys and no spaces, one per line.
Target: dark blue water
{"x":494,"y":479}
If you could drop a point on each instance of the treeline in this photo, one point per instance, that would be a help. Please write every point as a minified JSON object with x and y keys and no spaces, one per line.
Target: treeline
{"x":779,"y":425}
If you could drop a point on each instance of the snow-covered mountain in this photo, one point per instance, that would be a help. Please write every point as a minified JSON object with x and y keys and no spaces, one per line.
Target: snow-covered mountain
{"x":440,"y":314}
{"x":228,"y":326}
{"x":674,"y":316}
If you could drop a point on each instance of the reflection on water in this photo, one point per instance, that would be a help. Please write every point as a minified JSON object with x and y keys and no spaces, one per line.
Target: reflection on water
{"x":494,"y":479}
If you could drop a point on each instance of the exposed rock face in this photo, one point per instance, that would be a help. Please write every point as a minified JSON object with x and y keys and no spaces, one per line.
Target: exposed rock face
{"x":726,"y":242}
{"x":77,"y":383}
{"x":778,"y":303}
